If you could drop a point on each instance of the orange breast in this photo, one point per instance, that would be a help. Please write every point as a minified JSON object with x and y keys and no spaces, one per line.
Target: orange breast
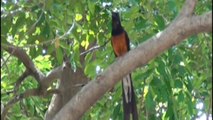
{"x":119,"y":44}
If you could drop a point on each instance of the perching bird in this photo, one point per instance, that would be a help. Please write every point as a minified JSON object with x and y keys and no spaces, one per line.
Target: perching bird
{"x":121,"y":45}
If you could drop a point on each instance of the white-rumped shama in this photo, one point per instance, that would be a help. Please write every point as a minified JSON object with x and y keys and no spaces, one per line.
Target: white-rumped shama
{"x":121,"y":45}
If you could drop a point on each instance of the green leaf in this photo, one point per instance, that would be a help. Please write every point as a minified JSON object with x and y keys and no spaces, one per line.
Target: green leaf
{"x":76,"y":54}
{"x":155,"y":82}
{"x":160,"y":22}
{"x":169,"y":112}
{"x":172,"y":6}
{"x":90,"y":70}
{"x":161,"y":68}
{"x":188,"y":84}
{"x":190,"y":107}
{"x":116,"y":112}
{"x":149,"y":103}
{"x":178,"y":84}
{"x":88,"y":57}
{"x":59,"y":55}
{"x":91,"y":7}
{"x":40,"y":17}
{"x":19,"y":22}
{"x":181,"y":97}
{"x":78,"y":17}
{"x":46,"y":31}
{"x":33,"y":52}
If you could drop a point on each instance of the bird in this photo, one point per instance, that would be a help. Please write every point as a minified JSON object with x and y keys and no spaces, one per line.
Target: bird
{"x":121,"y":45}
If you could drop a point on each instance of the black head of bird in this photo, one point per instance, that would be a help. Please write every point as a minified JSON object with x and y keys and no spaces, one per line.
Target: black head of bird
{"x":115,"y":21}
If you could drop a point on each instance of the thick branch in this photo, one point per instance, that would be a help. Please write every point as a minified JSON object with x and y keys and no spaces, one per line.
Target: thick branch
{"x":51,"y":76}
{"x":180,"y":29}
{"x":28,"y":63}
{"x":188,"y":8}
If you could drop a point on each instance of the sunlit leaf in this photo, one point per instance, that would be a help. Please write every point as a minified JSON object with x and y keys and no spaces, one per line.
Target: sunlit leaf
{"x":78,"y":17}
{"x":59,"y":55}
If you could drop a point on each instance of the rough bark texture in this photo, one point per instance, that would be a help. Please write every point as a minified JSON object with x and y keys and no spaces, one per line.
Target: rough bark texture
{"x":68,"y":88}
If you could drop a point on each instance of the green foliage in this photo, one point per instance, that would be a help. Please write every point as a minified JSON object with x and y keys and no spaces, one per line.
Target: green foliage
{"x":168,"y":87}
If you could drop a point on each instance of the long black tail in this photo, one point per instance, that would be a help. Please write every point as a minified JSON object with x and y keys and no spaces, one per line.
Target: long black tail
{"x":129,"y":103}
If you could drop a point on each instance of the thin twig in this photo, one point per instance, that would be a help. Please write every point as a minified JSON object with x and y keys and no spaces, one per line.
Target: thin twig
{"x":24,"y":108}
{"x":7,"y":92}
{"x":51,"y":41}
{"x":26,"y":94}
{"x":69,"y":31}
{"x":94,"y":48}
{"x":7,"y":68}
{"x":37,"y":21}
{"x":5,"y":61}
{"x":11,"y":13}
{"x":52,"y":91}
{"x":34,"y":25}
{"x":20,"y":80}
{"x":31,"y":92}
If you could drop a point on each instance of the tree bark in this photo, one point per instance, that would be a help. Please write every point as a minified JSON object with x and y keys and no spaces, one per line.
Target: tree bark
{"x":68,"y":86}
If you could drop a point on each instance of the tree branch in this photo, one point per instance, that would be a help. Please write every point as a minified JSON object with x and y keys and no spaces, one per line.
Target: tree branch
{"x":51,"y":76}
{"x":188,"y":8}
{"x":28,"y":63}
{"x":11,"y":13}
{"x":51,"y":41}
{"x":43,"y":81}
{"x":5,"y":61}
{"x":20,"y":80}
{"x":26,"y":94}
{"x":32,"y":28}
{"x":94,"y":48}
{"x":178,"y":30}
{"x":31,"y":92}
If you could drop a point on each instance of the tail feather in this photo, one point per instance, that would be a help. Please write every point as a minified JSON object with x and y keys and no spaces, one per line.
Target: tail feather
{"x":127,"y":88}
{"x":129,"y":103}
